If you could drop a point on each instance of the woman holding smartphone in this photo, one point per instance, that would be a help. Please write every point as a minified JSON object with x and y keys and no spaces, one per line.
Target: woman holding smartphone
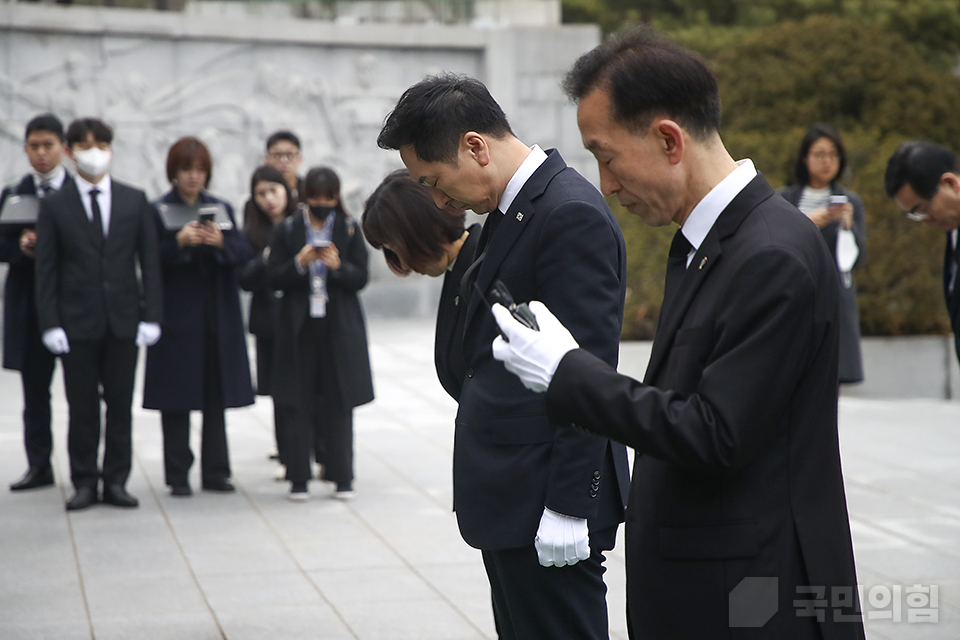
{"x":838,"y":212}
{"x":318,"y":259}
{"x":200,"y":362}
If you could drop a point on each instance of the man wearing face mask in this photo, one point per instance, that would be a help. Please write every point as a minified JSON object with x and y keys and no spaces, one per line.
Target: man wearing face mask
{"x":22,"y":349}
{"x":94,"y":309}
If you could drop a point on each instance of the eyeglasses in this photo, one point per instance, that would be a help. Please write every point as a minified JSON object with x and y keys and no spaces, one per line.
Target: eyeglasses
{"x":824,"y":155}
{"x":284,"y":155}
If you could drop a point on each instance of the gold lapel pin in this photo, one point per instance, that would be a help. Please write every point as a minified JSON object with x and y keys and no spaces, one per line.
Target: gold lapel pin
{"x":519,"y":216}
{"x":702,"y":262}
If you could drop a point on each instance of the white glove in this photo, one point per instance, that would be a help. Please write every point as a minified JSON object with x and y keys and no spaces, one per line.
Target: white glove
{"x":561,"y":540}
{"x":533,"y":356}
{"x":147,"y":334}
{"x":55,"y":340}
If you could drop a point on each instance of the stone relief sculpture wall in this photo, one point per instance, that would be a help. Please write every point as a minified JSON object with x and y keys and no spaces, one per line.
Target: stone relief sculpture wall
{"x":232,"y":81}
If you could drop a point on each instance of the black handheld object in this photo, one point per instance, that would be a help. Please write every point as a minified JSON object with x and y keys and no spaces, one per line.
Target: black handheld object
{"x":500,"y":293}
{"x":207,"y":214}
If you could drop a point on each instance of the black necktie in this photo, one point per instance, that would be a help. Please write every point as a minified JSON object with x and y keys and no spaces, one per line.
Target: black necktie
{"x":43,"y":189}
{"x":676,"y":267}
{"x":95,"y":210}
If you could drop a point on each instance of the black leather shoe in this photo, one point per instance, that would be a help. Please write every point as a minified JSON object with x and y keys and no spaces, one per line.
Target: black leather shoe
{"x":116,"y":495}
{"x":82,"y":498}
{"x":180,"y":490}
{"x":33,"y":478}
{"x":223,"y":486}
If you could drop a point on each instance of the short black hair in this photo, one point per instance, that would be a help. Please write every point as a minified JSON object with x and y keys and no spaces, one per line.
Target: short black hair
{"x":45,"y":122}
{"x":283,"y":134}
{"x":322,"y":182}
{"x":79,"y":128}
{"x":647,"y":75}
{"x":920,"y":164}
{"x":820,"y":130}
{"x":433,"y":114}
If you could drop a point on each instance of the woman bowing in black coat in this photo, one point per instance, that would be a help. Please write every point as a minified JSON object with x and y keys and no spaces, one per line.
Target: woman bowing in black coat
{"x":318,"y":259}
{"x":201,"y":362}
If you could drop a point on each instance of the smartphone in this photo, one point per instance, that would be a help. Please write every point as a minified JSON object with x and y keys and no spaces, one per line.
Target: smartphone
{"x":320,"y":244}
{"x":835,"y":200}
{"x":500,"y":293}
{"x":207,"y":216}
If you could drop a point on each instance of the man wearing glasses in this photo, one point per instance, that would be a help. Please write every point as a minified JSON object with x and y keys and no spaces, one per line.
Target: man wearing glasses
{"x":283,"y":153}
{"x":923,"y":178}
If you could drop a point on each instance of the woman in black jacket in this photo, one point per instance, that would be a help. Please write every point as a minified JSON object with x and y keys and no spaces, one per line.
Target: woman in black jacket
{"x":838,"y":212}
{"x":200,"y":362}
{"x":318,"y":259}
{"x":401,"y":218}
{"x":269,"y":204}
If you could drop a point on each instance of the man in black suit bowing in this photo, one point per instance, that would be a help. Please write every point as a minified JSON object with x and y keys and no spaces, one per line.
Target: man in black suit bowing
{"x":22,"y":349}
{"x":923,"y":178}
{"x":737,"y":521}
{"x":93,"y":308}
{"x":540,"y":501}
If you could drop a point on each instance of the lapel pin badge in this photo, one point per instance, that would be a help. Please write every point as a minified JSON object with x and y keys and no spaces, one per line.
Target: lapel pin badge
{"x":702,"y":262}
{"x":519,"y":216}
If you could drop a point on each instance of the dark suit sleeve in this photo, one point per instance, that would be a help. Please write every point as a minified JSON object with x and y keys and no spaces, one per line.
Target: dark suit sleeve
{"x":578,"y":278}
{"x":282,"y":274}
{"x":148,"y":250}
{"x":859,"y":226}
{"x":353,"y":272}
{"x":754,"y":355}
{"x":46,"y":255}
{"x":236,"y":250}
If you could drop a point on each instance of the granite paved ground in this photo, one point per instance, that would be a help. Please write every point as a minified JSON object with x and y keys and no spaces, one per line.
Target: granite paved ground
{"x":390,"y":564}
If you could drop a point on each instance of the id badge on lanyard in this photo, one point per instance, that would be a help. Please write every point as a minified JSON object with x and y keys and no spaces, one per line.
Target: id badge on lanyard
{"x":318,"y":298}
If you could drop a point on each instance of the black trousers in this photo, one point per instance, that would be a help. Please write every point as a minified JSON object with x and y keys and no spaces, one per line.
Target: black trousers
{"x":532,"y":602}
{"x":320,"y":425}
{"x":91,"y":370}
{"x":36,"y":376}
{"x":214,"y":457}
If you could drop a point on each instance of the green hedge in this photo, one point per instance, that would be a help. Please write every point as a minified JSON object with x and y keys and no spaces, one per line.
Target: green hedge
{"x":878,"y":90}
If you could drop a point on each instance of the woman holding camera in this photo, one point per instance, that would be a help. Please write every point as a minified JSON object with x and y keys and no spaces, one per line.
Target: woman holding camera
{"x":318,"y":259}
{"x":838,"y":212}
{"x":401,"y":218}
{"x":200,"y":362}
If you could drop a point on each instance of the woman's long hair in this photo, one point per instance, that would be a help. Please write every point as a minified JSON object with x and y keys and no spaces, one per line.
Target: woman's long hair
{"x":256,"y":222}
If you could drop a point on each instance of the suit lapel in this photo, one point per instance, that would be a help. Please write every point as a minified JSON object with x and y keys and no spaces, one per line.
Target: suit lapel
{"x":515,"y":220}
{"x":704,"y":261}
{"x":76,"y":211}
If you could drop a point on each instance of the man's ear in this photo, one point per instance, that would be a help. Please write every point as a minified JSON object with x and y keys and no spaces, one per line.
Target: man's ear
{"x":950,"y":180}
{"x":670,"y":137}
{"x":475,"y":146}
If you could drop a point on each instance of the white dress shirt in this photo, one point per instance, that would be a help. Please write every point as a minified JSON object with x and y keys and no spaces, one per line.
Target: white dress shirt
{"x":54,"y":180}
{"x":530,"y":164}
{"x":698,"y":224}
{"x":104,"y":199}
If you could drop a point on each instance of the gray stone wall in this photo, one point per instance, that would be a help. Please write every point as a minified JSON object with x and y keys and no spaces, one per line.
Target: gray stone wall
{"x":156,"y":76}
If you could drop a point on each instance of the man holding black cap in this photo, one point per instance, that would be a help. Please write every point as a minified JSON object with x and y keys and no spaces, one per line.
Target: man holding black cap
{"x":22,"y":349}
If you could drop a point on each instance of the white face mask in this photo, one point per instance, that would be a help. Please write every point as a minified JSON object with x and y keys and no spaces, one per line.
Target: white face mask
{"x":93,"y":162}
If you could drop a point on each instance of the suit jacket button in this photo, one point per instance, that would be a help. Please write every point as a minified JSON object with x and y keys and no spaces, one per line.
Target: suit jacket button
{"x":593,"y":493}
{"x":596,"y":475}
{"x":470,"y":372}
